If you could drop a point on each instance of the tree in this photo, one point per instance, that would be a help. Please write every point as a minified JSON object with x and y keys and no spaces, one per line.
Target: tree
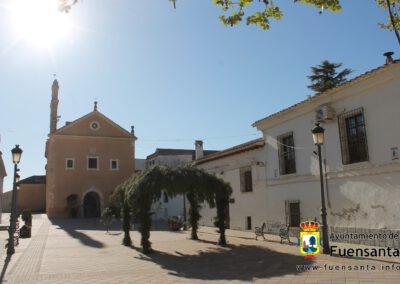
{"x":325,"y":76}
{"x":313,"y":241}
{"x":393,"y":7}
{"x":263,"y":11}
{"x":119,"y":200}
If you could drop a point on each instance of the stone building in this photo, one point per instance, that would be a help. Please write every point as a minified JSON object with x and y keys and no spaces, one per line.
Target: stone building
{"x":88,"y":157}
{"x":32,"y":194}
{"x":243,"y":167}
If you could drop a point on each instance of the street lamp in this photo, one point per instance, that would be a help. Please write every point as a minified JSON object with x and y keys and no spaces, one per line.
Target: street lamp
{"x":16,"y":158}
{"x":318,"y":137}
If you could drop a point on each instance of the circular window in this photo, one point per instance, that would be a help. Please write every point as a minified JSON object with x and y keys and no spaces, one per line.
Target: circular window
{"x":94,"y":125}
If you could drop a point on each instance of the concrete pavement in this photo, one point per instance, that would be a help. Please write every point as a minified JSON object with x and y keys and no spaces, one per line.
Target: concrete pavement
{"x":79,"y":251}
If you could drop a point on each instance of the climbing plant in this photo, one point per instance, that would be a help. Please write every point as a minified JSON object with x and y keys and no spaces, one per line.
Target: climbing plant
{"x":119,"y":200}
{"x":199,"y":186}
{"x":72,"y":205}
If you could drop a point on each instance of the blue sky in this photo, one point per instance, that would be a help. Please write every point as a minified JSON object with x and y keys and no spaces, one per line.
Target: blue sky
{"x":177,"y":75}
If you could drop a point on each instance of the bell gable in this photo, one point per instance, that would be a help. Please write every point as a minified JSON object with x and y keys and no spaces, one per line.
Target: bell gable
{"x":93,"y":124}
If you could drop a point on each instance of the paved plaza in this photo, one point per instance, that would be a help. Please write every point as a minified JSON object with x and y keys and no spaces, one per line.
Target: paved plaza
{"x":80,"y":251}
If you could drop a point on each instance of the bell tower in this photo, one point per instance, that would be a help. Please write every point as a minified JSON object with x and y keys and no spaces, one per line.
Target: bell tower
{"x":54,"y":106}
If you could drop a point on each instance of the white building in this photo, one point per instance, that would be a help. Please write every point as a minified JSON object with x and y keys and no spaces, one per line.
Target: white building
{"x":362,"y":138}
{"x":3,"y":174}
{"x":243,"y":166}
{"x":361,"y":158}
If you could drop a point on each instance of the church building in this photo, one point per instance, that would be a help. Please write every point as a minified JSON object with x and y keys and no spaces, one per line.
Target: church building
{"x":87,"y":158}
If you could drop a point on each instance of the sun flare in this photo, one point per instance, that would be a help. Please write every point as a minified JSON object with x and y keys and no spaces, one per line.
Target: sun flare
{"x":40,"y":22}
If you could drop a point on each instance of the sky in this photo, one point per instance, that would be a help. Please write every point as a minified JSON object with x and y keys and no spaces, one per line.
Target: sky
{"x":177,"y":75}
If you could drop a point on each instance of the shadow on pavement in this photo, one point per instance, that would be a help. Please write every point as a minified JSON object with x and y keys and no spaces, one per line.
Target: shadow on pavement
{"x":4,"y":270}
{"x":71,"y":226}
{"x":243,"y":263}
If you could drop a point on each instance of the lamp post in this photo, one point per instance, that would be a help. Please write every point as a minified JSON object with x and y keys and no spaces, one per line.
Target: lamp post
{"x":318,"y":137}
{"x":16,"y":157}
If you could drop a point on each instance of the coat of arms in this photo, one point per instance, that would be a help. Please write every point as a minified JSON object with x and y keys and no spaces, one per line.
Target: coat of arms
{"x":309,"y":239}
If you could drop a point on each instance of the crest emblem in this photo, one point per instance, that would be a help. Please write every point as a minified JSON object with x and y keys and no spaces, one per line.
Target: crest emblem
{"x":309,"y":239}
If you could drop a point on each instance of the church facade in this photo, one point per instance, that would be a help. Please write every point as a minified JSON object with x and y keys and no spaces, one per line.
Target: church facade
{"x":87,"y":158}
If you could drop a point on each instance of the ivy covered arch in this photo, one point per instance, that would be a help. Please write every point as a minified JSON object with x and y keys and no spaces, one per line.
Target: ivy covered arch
{"x":137,"y":194}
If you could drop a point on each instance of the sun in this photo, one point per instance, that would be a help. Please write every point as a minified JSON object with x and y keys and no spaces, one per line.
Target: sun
{"x":39,"y":21}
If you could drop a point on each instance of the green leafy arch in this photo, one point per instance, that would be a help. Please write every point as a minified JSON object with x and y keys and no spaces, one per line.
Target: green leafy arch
{"x":142,"y":190}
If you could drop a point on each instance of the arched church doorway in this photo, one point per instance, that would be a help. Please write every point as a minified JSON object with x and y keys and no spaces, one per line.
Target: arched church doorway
{"x":91,"y":205}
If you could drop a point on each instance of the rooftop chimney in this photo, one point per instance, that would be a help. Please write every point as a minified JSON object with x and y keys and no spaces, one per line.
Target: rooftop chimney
{"x":199,"y":149}
{"x":389,"y":58}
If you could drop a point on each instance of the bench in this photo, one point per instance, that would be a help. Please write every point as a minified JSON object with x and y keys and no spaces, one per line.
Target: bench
{"x":273,"y":228}
{"x":259,"y":231}
{"x":284,"y":234}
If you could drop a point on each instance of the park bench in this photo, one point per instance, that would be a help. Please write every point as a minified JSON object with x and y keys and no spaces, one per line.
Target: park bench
{"x":259,"y":231}
{"x":284,"y":234}
{"x":273,"y":228}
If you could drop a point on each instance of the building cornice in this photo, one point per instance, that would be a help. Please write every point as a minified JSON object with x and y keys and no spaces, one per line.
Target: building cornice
{"x":77,"y":137}
{"x":251,"y":145}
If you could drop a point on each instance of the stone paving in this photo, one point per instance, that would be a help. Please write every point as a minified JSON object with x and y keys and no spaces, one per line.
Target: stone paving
{"x":79,"y":251}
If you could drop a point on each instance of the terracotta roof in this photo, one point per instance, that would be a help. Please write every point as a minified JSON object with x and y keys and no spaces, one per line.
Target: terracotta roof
{"x":177,"y":152}
{"x":34,"y":180}
{"x":349,"y":82}
{"x":250,"y":145}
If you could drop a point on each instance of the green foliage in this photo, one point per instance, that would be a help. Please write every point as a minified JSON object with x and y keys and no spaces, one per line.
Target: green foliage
{"x":194,"y":212}
{"x":126,"y":224}
{"x":199,"y":186}
{"x":25,"y":231}
{"x":313,"y":241}
{"x":107,"y":217}
{"x":72,"y":205}
{"x":395,"y":9}
{"x":222,"y":202}
{"x":325,"y":76}
{"x":26,"y":216}
{"x":120,"y":200}
{"x":263,"y":11}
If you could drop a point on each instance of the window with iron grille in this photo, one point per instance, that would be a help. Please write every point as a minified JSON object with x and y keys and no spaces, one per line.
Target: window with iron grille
{"x":246,"y":181}
{"x":287,"y":159}
{"x":353,"y":137}
{"x":293,"y":212}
